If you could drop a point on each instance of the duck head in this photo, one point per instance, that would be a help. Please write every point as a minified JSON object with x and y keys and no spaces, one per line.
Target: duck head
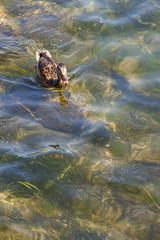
{"x":62,"y":74}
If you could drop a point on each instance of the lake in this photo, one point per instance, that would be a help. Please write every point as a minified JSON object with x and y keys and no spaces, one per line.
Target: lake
{"x":81,"y":162}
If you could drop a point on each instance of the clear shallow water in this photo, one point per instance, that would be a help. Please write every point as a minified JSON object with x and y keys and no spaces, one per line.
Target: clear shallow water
{"x":82,"y":163}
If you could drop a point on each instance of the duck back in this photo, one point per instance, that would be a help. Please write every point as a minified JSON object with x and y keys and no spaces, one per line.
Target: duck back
{"x":46,"y":68}
{"x":48,"y":71}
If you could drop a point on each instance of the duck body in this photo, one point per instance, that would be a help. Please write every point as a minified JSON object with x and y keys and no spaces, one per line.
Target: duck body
{"x":49,"y":72}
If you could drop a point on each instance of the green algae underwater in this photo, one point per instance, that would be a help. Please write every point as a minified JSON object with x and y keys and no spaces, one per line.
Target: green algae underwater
{"x":80,"y":162}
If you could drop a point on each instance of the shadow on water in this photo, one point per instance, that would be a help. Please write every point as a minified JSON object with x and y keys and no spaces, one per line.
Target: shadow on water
{"x":80,"y":162}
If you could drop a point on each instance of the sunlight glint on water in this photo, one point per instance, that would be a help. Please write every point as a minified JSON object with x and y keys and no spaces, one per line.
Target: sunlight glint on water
{"x":80,"y":163}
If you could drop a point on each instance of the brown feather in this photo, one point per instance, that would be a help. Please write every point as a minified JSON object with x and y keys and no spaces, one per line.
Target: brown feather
{"x":49,"y":71}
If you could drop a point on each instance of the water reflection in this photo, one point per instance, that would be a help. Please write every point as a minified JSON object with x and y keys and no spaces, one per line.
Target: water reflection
{"x":81,"y":162}
{"x":62,"y":99}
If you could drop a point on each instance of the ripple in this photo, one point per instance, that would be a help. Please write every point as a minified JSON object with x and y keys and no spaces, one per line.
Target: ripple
{"x":140,"y":10}
{"x":92,"y":147}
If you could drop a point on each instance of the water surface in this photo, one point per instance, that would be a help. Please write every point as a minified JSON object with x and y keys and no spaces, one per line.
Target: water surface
{"x":83,"y":162}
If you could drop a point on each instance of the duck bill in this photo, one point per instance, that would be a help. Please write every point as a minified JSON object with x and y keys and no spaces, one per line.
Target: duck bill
{"x":65,"y":80}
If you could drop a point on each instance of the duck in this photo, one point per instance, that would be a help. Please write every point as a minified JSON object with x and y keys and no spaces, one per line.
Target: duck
{"x":49,"y":72}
